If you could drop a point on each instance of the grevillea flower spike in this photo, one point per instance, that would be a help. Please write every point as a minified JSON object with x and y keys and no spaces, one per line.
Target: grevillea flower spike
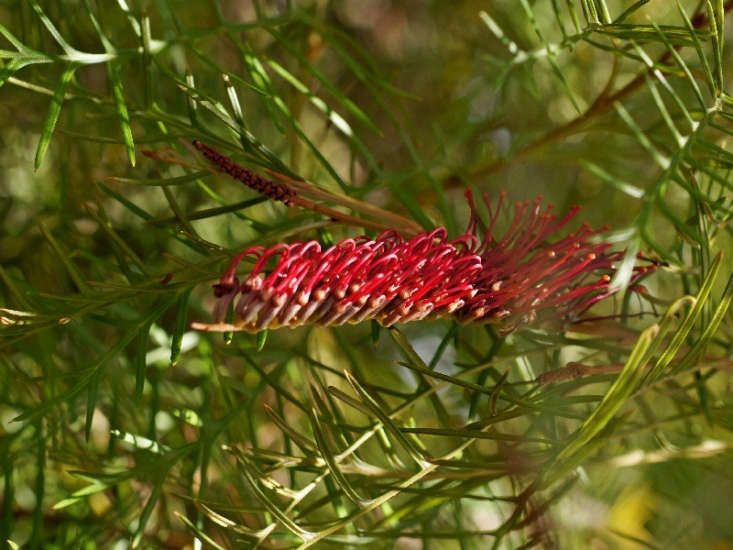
{"x":511,"y":281}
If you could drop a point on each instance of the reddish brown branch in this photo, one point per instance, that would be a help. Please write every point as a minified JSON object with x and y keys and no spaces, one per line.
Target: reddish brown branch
{"x":603,"y":103}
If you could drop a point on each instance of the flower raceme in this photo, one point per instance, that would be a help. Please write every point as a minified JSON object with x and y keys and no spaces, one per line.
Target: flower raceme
{"x":510,"y":281}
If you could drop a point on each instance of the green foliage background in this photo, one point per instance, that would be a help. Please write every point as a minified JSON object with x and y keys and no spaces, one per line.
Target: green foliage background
{"x":120,"y":427}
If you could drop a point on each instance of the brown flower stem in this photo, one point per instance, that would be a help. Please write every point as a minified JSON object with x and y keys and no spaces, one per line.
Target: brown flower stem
{"x":289,"y":191}
{"x":300,"y":187}
{"x":340,"y":216}
{"x":395,"y":221}
{"x":603,"y":103}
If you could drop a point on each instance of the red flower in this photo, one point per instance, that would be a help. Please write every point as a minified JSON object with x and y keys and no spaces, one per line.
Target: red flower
{"x":510,"y":281}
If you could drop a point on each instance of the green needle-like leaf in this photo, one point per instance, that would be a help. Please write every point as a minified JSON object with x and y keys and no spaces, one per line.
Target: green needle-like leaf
{"x":52,"y":117}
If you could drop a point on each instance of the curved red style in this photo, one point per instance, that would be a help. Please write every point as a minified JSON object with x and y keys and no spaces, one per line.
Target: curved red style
{"x":511,"y":281}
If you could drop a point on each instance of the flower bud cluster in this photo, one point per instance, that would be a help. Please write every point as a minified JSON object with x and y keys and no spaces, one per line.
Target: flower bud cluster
{"x":275,"y":191}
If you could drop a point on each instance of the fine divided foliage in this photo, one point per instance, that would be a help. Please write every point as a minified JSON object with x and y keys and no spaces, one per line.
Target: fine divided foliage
{"x":602,"y":418}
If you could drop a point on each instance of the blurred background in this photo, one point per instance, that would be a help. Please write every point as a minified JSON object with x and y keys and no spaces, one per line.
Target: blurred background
{"x":122,"y":428}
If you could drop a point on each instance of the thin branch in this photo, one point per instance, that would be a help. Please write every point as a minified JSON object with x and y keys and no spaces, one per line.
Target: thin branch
{"x":603,"y":103}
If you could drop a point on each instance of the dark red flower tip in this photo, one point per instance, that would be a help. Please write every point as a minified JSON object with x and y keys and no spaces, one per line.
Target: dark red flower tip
{"x":519,"y":278}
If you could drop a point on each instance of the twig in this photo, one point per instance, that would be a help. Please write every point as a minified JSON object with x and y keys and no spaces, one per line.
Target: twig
{"x":603,"y":103}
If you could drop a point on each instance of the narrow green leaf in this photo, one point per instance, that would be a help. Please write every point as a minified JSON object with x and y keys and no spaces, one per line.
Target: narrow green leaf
{"x":630,"y":10}
{"x":679,"y":36}
{"x":452,"y":380}
{"x":180,"y":327}
{"x":661,"y":160}
{"x":53,"y":31}
{"x":228,"y":337}
{"x":233,"y":100}
{"x":717,"y":154}
{"x":95,"y":487}
{"x":253,"y":144}
{"x":262,"y":80}
{"x":113,"y":75}
{"x":331,"y":462}
{"x":698,"y":350}
{"x":591,"y":15}
{"x":703,"y":395}
{"x":321,"y":105}
{"x":685,"y":229}
{"x":616,"y":182}
{"x":113,"y":70}
{"x":9,"y":70}
{"x":709,"y":79}
{"x":52,"y":116}
{"x":312,"y":146}
{"x":140,"y":363}
{"x":180,"y":180}
{"x":720,"y":13}
{"x":64,"y":258}
{"x":715,"y":18}
{"x":92,"y":394}
{"x":86,"y":375}
{"x":551,"y":56}
{"x":141,"y":442}
{"x":145,"y":516}
{"x":443,"y":346}
{"x":662,"y":107}
{"x":135,"y":209}
{"x":559,"y":19}
{"x":681,"y":63}
{"x":191,"y":104}
{"x":147,"y":59}
{"x":377,"y":410}
{"x":212,"y":212}
{"x":336,"y":91}
{"x":210,"y":543}
{"x":261,"y":339}
{"x":17,"y":44}
{"x":129,"y":205}
{"x":116,"y":241}
{"x":375,"y":329}
{"x":303,"y":442}
{"x":180,"y":214}
{"x":605,"y":12}
{"x":680,"y":335}
{"x":275,"y":509}
{"x":498,"y":32}
{"x":571,"y":454}
{"x":14,"y":290}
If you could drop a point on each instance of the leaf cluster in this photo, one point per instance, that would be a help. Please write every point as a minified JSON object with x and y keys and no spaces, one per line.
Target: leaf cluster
{"x":121,"y":426}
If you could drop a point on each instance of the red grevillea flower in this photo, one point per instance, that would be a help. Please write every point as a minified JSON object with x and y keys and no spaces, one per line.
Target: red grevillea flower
{"x":511,"y":280}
